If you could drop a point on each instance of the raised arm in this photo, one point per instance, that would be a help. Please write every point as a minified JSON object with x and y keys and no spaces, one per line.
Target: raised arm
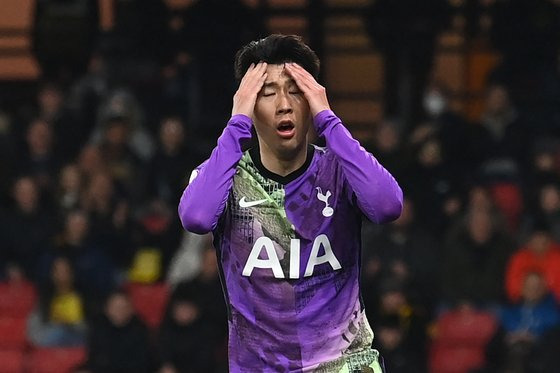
{"x":204,"y":199}
{"x":378,"y":194}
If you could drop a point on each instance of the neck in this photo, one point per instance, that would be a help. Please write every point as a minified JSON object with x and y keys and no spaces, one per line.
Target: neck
{"x":283,"y":164}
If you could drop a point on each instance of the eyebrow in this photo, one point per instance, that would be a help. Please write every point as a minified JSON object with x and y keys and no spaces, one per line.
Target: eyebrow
{"x":274,"y":84}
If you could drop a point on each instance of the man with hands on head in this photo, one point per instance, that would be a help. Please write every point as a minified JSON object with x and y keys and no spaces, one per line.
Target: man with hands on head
{"x":286,"y":218}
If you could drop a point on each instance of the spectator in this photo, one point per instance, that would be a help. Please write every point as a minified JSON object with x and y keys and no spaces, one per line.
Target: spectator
{"x":446,"y":125}
{"x":95,"y":272}
{"x":8,"y":164}
{"x":390,"y":341}
{"x":523,"y":326}
{"x":409,"y":342}
{"x":540,"y":254}
{"x":59,"y":320}
{"x":406,"y":33}
{"x":27,"y":229}
{"x":475,"y":255}
{"x":118,"y":341}
{"x":430,"y":184}
{"x":111,"y":224}
{"x":547,"y":210}
{"x":173,"y":156}
{"x":535,"y":314}
{"x":69,"y":133}
{"x":91,"y":162}
{"x":406,"y":251}
{"x":70,"y":188}
{"x":122,"y":105}
{"x":123,"y":164}
{"x":504,"y":140}
{"x":40,"y":160}
{"x":184,"y":331}
{"x":388,"y":147}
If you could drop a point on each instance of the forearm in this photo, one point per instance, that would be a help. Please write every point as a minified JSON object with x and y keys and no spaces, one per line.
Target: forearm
{"x":378,"y":194}
{"x":205,"y":197}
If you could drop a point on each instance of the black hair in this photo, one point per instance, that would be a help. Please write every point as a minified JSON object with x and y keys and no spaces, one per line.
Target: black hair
{"x":277,"y":49}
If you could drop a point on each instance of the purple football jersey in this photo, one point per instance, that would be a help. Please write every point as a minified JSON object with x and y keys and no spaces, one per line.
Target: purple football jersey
{"x":289,"y":247}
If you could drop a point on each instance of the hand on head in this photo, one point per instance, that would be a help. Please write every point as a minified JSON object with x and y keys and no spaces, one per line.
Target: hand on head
{"x":315,"y":93}
{"x":251,"y":84}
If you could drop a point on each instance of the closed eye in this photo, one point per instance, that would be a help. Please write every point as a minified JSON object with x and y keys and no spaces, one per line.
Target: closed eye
{"x":295,"y":92}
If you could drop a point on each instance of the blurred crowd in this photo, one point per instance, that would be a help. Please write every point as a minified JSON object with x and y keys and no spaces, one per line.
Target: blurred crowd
{"x":92,"y":167}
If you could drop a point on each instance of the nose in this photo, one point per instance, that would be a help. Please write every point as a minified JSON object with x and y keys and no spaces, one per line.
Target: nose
{"x":284,"y":104}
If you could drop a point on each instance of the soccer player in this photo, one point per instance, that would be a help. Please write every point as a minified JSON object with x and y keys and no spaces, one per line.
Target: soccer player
{"x":286,"y":218}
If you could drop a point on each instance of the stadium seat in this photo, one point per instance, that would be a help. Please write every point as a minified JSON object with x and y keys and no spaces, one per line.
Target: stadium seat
{"x":460,"y":340}
{"x":453,"y":359}
{"x":11,"y":361}
{"x":16,"y":300}
{"x":149,"y":301}
{"x":12,"y":333}
{"x":467,"y":328}
{"x":55,"y":360}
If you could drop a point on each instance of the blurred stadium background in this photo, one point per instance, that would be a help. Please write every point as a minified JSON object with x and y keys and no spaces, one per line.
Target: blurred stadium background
{"x":106,"y":106}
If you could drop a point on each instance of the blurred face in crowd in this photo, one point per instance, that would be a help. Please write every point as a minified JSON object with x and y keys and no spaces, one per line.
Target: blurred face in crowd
{"x":534,"y":288}
{"x":76,"y":227}
{"x":119,"y":310}
{"x":39,"y":138}
{"x":185,"y":312}
{"x":70,"y":178}
{"x":479,"y":199}
{"x":430,"y":153}
{"x":479,"y":225}
{"x":392,"y":301}
{"x":116,"y":133}
{"x":389,"y":337}
{"x":386,"y":137}
{"x":281,"y":115}
{"x":549,"y":198}
{"x":544,"y":161}
{"x":26,"y":194}
{"x":62,"y":274}
{"x":50,"y":100}
{"x":101,"y":187}
{"x":539,"y":242}
{"x":171,"y":134}
{"x":90,"y":160}
{"x":497,"y":100}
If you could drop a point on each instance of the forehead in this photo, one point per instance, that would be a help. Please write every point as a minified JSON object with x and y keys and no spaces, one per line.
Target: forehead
{"x":277,"y":74}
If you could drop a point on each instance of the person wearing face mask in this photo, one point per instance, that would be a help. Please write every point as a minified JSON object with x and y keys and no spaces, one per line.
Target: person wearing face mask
{"x":447,"y":126}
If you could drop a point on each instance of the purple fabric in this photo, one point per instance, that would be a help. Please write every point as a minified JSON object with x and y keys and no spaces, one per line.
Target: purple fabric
{"x":204,"y":199}
{"x":291,"y":324}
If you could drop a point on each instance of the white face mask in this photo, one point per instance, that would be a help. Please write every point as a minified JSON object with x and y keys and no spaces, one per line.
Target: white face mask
{"x":434,"y":103}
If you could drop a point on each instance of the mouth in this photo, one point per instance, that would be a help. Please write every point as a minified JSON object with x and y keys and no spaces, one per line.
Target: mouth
{"x":286,"y":129}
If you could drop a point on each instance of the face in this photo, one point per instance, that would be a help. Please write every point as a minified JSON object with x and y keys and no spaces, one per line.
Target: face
{"x":119,"y":309}
{"x":171,"y":134}
{"x":62,"y":274}
{"x":534,"y":288}
{"x":281,"y":114}
{"x":26,"y":194}
{"x":480,"y":226}
{"x":185,"y":312}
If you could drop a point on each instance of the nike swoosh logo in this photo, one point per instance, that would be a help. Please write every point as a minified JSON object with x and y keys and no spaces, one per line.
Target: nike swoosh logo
{"x":244,"y":203}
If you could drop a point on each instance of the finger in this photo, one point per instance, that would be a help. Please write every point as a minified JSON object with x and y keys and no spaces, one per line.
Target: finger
{"x":303,"y":82}
{"x":304,"y":75}
{"x":253,"y":75}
